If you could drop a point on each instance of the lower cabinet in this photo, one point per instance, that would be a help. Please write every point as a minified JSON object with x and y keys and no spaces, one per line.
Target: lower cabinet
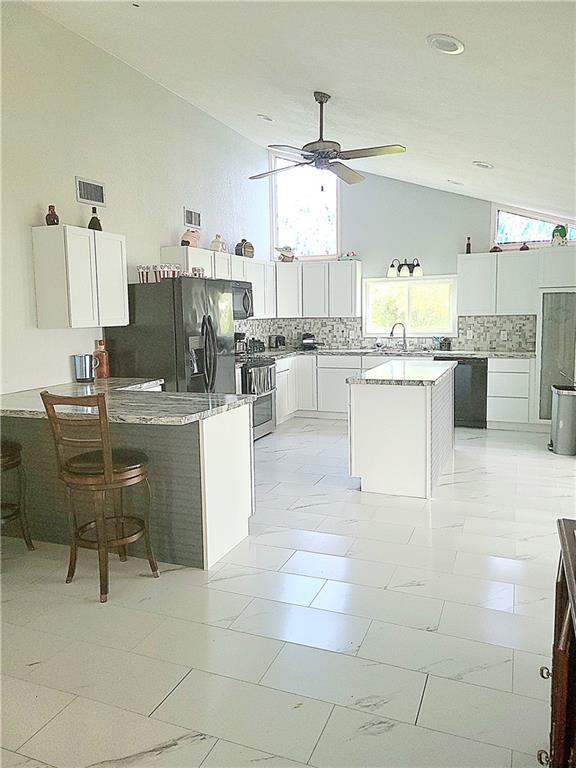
{"x":282,"y":408}
{"x":333,"y":389}
{"x":508,"y":390}
{"x":306,"y":389}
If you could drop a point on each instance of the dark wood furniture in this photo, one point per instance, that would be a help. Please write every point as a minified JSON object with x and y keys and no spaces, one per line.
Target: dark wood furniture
{"x":15,"y":511}
{"x":563,"y":701}
{"x":104,"y":472}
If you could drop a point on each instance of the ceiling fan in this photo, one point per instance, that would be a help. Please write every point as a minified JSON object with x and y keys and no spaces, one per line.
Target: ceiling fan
{"x":326,"y":155}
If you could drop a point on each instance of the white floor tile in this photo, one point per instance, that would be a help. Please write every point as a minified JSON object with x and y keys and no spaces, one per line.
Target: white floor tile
{"x":527,"y":678}
{"x":356,"y":683}
{"x":24,"y":648}
{"x":403,"y":554}
{"x":287,"y":518}
{"x":520,"y":572}
{"x":457,"y":539}
{"x":228,"y":755}
{"x":269,"y":585}
{"x":484,"y":714}
{"x":356,"y":740}
{"x":258,"y":555}
{"x":212,"y":649}
{"x":247,"y":714}
{"x":531,"y":601}
{"x":306,"y":626}
{"x":340,"y":569}
{"x":13,"y":760}
{"x":374,"y":603}
{"x":436,"y":654}
{"x":309,"y":541}
{"x":88,"y":734}
{"x":522,"y":760}
{"x":369,"y":529}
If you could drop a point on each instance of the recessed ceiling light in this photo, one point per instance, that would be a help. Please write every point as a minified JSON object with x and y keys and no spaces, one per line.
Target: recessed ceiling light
{"x":264,"y":117}
{"x":445,"y":44}
{"x":136,"y":5}
{"x":482,"y":164}
{"x":457,"y":183}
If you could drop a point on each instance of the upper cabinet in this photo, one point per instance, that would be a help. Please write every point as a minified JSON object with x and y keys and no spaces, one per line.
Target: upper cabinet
{"x":188,"y":257}
{"x":255,"y":273}
{"x":558,"y":266}
{"x":477,"y":283}
{"x":81,"y":277}
{"x":238,"y":267}
{"x":222,"y":267}
{"x":270,"y":289}
{"x":315,"y":289}
{"x":288,"y":289}
{"x":517,"y":282}
{"x":344,"y":288}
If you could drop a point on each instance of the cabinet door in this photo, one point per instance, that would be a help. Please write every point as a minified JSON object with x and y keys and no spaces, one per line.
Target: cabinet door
{"x":269,"y":289}
{"x":112,"y":277}
{"x":517,"y":283}
{"x":237,"y":267}
{"x":293,"y":387}
{"x":315,"y":290}
{"x":333,"y":389}
{"x":82,"y":284}
{"x":222,"y":266}
{"x":288,"y":290}
{"x":307,"y":394}
{"x":281,"y":396}
{"x":558,"y":266}
{"x":344,"y":289}
{"x":477,"y":283}
{"x":255,"y":273}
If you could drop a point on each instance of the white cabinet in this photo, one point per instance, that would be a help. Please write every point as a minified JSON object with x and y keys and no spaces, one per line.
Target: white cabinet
{"x":517,"y":282}
{"x":188,"y":257}
{"x":344,"y":288}
{"x":255,"y":273}
{"x":286,"y":388}
{"x":237,"y":267}
{"x":288,"y":290}
{"x":315,"y":289}
{"x":221,"y":265}
{"x":81,"y":277}
{"x":282,"y":410}
{"x":269,"y":289}
{"x":333,"y":389}
{"x":306,"y":389}
{"x":558,"y":266}
{"x":477,"y":283}
{"x":508,"y":390}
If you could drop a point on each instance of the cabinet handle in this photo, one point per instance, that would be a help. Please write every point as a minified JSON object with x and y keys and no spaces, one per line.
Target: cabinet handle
{"x":545,"y":673}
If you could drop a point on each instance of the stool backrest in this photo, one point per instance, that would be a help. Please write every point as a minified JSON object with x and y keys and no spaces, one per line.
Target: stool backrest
{"x":71,"y":432}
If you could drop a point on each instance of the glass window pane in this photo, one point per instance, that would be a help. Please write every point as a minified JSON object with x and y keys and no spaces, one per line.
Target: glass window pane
{"x":306,"y":210}
{"x":430,"y":307}
{"x":387,"y":304}
{"x":571,"y":233}
{"x":513,"y":228}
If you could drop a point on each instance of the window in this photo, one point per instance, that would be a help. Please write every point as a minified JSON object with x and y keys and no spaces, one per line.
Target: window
{"x":426,"y":305}
{"x":514,"y":226}
{"x":305,"y":210}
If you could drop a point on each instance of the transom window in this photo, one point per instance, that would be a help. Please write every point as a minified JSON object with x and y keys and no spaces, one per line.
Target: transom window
{"x":305,"y":210}
{"x":515,"y":226}
{"x":426,"y":305}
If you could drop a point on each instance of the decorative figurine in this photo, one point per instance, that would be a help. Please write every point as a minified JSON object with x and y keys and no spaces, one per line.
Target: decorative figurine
{"x":52,"y":216}
{"x":191,"y":238}
{"x":524,"y":247}
{"x":349,"y":256}
{"x":94,"y":222}
{"x":559,"y":235}
{"x":218,"y":244}
{"x":286,"y":253}
{"x":244,"y":248}
{"x":495,"y":249}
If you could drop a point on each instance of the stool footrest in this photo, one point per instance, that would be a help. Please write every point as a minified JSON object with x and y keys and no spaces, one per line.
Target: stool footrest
{"x":126,"y":521}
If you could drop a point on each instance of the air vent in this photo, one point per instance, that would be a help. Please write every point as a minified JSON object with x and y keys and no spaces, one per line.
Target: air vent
{"x":90,"y":192}
{"x":191,"y":218}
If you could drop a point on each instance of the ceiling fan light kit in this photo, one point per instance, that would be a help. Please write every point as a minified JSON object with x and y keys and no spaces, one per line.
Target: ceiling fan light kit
{"x":326,"y":155}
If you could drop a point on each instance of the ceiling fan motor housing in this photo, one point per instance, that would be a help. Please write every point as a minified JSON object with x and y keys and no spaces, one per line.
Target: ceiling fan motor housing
{"x":327,"y":150}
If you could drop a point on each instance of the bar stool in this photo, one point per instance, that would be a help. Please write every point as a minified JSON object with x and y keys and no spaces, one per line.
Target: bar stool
{"x":11,"y":458}
{"x":103,"y":471}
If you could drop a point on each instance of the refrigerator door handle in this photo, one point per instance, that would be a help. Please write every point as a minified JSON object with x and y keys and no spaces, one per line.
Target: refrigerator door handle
{"x":214,"y":355}
{"x":204,"y":332}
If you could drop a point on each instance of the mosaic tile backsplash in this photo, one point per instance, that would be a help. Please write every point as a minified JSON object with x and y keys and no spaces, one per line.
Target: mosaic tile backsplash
{"x":486,"y":332}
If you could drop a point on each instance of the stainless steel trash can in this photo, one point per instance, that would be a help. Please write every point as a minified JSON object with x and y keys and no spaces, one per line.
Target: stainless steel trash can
{"x":563,"y":426}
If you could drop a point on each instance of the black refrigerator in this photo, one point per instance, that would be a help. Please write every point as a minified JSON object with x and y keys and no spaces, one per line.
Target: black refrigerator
{"x":181,"y":330}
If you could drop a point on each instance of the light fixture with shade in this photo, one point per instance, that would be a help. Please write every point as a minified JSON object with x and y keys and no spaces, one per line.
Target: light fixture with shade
{"x":417,"y":271}
{"x":404,"y":270}
{"x":398,"y":269}
{"x":394,"y":268}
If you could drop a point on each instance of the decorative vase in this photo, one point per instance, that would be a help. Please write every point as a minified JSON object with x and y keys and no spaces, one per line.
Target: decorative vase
{"x":191,"y":238}
{"x":244,"y":248}
{"x":218,"y":244}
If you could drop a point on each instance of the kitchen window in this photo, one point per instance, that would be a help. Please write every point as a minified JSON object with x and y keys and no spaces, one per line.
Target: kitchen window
{"x":305,"y":213}
{"x":514,"y":226}
{"x":426,"y":305}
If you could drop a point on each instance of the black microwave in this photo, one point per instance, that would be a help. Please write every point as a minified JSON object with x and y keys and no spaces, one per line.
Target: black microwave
{"x":243,"y":300}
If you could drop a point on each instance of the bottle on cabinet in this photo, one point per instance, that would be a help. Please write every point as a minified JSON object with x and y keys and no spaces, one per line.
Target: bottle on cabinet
{"x":52,"y":217}
{"x":468,"y":245}
{"x":94,"y":222}
{"x":101,"y":354}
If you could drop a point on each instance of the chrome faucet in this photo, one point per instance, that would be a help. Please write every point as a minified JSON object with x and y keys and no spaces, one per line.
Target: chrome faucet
{"x":404,"y":344}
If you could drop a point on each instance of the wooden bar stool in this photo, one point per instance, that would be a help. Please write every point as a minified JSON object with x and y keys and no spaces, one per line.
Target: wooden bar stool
{"x":102,"y":471}
{"x":11,"y":458}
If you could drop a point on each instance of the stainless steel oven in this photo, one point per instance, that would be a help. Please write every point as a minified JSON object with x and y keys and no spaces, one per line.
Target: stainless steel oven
{"x":257,"y":376}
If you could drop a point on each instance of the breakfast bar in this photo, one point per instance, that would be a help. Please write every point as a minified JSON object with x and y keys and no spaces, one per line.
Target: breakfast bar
{"x":200,"y":463}
{"x":401,"y":425}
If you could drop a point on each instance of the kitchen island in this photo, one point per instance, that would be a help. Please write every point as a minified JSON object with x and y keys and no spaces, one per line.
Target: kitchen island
{"x":200,"y":470}
{"x":401,"y":425}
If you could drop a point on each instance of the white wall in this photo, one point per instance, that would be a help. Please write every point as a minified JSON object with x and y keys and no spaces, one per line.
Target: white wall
{"x":71,"y":109}
{"x":383,"y":219}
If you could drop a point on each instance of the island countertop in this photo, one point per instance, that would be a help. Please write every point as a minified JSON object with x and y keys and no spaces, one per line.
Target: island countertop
{"x":405,"y":371}
{"x":129,"y":401}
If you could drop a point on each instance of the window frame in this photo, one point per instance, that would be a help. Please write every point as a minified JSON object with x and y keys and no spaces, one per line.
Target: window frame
{"x":410,"y":334}
{"x":273,"y":207}
{"x":548,"y":218}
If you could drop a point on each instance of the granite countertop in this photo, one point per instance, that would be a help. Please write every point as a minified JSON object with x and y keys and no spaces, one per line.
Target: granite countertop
{"x":391,"y":352}
{"x":407,"y":371}
{"x":128,"y":402}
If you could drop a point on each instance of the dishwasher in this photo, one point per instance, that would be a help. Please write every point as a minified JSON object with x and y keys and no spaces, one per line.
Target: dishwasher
{"x":470,"y":390}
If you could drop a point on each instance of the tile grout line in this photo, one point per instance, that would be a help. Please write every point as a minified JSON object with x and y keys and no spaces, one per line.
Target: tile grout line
{"x":191,"y":669}
{"x":321,"y":734}
{"x":421,"y":699}
{"x":75,"y":696}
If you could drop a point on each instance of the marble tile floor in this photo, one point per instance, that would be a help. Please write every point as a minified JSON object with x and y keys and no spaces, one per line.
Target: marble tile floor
{"x":349,"y":629}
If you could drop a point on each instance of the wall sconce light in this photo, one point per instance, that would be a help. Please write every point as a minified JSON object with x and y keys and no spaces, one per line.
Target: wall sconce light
{"x":396,"y":269}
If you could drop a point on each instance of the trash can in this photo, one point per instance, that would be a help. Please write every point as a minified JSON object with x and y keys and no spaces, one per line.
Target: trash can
{"x":563,"y":427}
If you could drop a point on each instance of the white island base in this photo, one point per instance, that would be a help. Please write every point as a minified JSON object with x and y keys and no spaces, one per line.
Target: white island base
{"x":401,"y":426}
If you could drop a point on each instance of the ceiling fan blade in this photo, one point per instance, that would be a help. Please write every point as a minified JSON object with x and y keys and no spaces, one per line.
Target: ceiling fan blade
{"x":278,"y":170}
{"x":345,"y":173}
{"x":389,"y":149}
{"x":289,"y":150}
